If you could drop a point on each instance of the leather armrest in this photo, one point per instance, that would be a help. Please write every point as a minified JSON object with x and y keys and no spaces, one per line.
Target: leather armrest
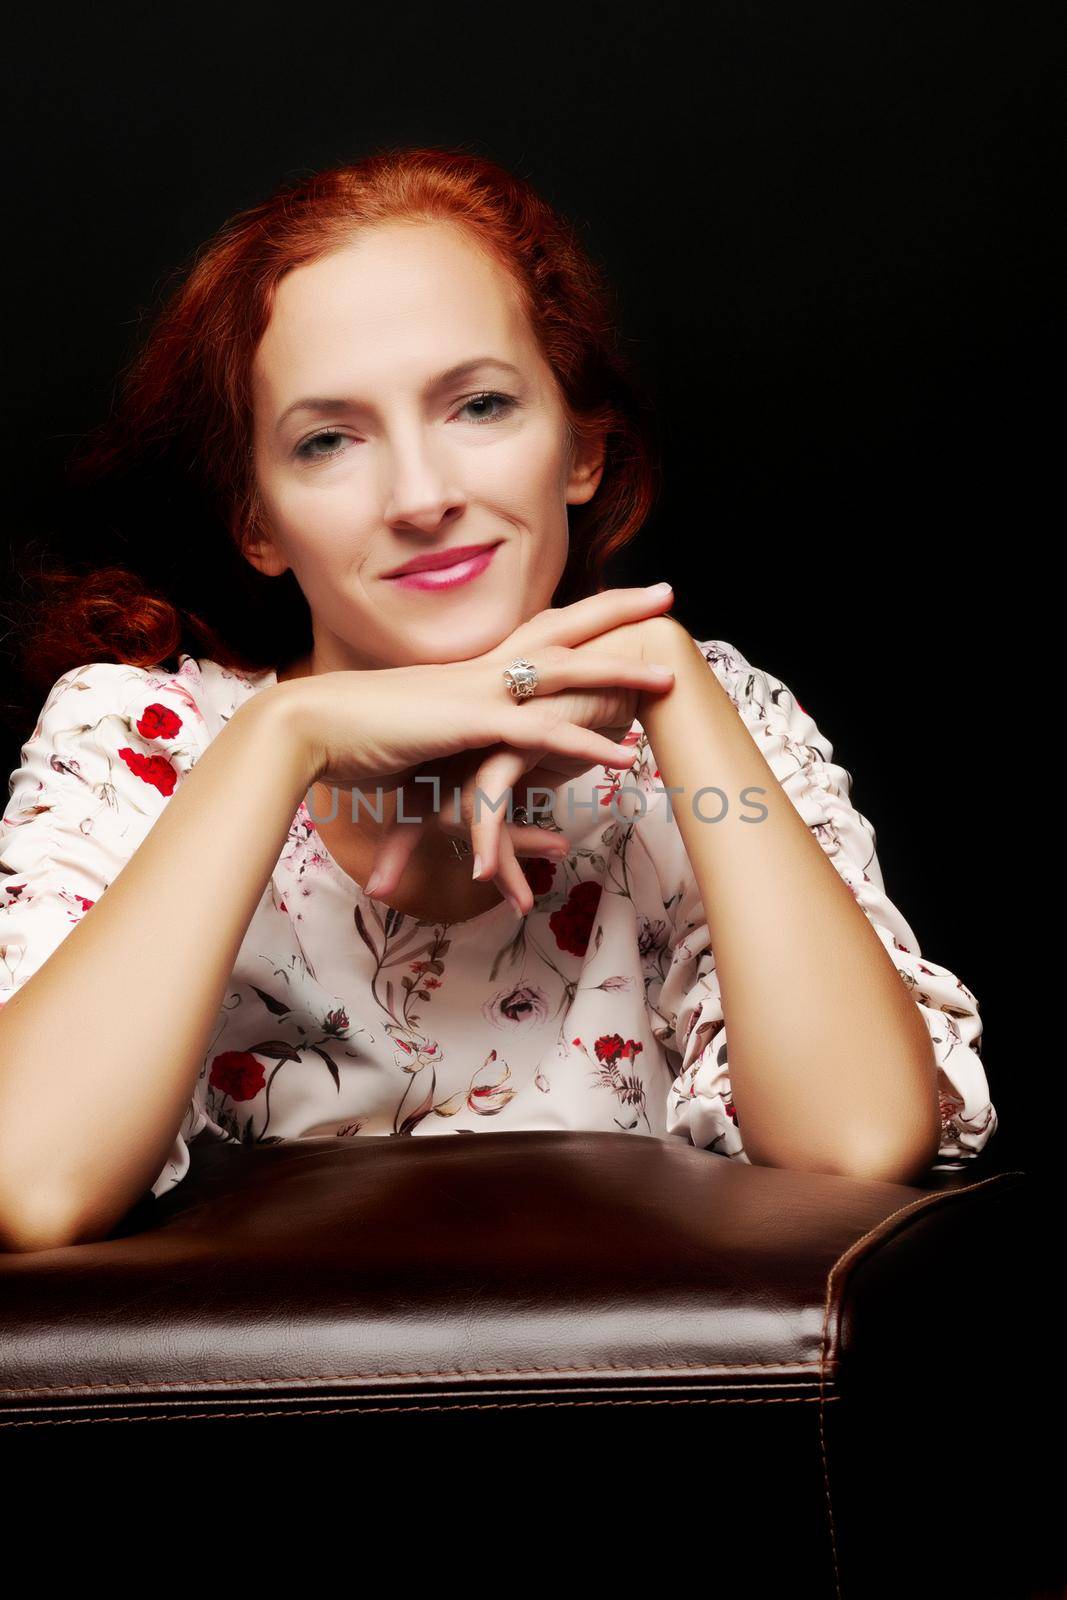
{"x":839,"y":1336}
{"x":388,"y":1272}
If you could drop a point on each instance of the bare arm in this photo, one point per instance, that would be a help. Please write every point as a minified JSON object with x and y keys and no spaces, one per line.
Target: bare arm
{"x":97,"y":1062}
{"x":832,"y":1066}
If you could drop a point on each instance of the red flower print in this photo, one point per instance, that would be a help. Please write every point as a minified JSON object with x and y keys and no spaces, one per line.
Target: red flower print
{"x":85,"y":904}
{"x":238,"y":1074}
{"x":572,"y":924}
{"x":539,"y":874}
{"x":158,"y":722}
{"x":609,"y":1047}
{"x":155,"y":770}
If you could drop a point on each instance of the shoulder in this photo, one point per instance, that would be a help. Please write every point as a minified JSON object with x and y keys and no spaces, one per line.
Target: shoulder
{"x":787,"y":734}
{"x":189,"y":705}
{"x":110,"y":734}
{"x":663,"y":638}
{"x":764,"y":701}
{"x":667,"y":636}
{"x":156,"y":705}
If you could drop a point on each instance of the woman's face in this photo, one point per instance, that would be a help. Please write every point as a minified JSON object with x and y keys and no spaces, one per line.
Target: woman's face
{"x":368,"y":454}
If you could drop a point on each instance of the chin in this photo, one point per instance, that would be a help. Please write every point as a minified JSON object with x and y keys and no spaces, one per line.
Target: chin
{"x":462,"y":644}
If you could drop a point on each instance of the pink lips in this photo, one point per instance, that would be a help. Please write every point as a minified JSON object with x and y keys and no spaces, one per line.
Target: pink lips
{"x":449,"y":577}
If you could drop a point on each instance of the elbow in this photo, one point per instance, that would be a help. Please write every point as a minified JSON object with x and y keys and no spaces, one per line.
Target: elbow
{"x":869,"y":1157}
{"x":905,"y":1151}
{"x":906,"y":1162}
{"x":40,"y":1225}
{"x":892,"y":1170}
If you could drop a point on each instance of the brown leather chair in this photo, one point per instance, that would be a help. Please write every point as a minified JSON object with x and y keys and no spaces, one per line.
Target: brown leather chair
{"x":848,"y":1356}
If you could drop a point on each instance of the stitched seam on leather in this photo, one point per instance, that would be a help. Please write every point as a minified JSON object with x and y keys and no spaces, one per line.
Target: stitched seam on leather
{"x":495,"y":1405}
{"x":825,"y":1464}
{"x":154,"y":1402}
{"x":785,"y":1367}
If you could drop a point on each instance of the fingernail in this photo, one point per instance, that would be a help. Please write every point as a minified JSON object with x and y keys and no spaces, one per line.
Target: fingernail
{"x":659,"y":588}
{"x":372,"y":883}
{"x":519,"y":912}
{"x":477,"y":867}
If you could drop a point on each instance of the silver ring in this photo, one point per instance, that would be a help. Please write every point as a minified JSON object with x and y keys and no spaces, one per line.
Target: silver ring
{"x":521,"y":678}
{"x":460,"y":847}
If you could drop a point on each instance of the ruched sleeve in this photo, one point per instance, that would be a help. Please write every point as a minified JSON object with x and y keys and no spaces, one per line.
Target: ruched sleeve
{"x":688,"y":1012}
{"x":111,"y":745}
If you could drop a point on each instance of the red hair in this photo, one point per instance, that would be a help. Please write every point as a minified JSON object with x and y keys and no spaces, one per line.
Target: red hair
{"x":176,"y":449}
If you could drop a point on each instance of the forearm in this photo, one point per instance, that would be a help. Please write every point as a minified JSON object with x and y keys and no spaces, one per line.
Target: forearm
{"x":831,"y":1064}
{"x":101,"y":1048}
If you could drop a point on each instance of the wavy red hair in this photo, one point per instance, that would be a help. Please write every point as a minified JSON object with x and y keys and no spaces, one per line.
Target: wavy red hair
{"x":176,"y":450}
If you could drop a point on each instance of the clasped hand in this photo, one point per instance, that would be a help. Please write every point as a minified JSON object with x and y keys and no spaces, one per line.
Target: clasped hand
{"x":473,"y":784}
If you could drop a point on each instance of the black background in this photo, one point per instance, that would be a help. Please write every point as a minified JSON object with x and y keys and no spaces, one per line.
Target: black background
{"x":832,"y":232}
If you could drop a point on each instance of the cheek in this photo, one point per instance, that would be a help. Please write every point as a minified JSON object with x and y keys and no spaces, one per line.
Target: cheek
{"x":528,"y":478}
{"x":323,"y":531}
{"x":308,"y":513}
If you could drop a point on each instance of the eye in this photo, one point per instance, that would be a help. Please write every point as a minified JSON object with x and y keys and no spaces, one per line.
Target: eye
{"x":506,"y":401}
{"x":306,"y":453}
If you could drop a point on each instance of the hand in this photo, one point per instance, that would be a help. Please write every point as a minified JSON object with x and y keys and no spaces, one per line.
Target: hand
{"x":470,"y":797}
{"x":377,"y":727}
{"x":451,"y":798}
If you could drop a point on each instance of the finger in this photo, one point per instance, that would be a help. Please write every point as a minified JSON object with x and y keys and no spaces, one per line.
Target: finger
{"x":399,"y":839}
{"x":490,"y":784}
{"x":498,"y":841}
{"x":528,"y":780}
{"x":511,"y":877}
{"x":483,"y":811}
{"x":529,"y":728}
{"x":560,"y":669}
{"x":535,"y":841}
{"x":391,"y":857}
{"x":594,"y":614}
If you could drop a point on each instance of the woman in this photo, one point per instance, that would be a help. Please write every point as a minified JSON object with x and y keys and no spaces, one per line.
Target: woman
{"x":410,"y":364}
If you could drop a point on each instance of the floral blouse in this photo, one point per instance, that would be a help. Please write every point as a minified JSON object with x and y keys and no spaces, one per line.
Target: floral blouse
{"x":601,"y":1009}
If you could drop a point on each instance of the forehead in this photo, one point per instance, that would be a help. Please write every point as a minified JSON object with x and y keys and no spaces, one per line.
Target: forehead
{"x":396,"y":303}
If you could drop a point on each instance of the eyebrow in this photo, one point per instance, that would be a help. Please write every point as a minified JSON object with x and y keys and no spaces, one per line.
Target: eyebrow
{"x":322,"y":404}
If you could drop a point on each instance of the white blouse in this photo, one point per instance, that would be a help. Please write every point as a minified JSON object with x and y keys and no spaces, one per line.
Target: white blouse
{"x":599,"y":1010}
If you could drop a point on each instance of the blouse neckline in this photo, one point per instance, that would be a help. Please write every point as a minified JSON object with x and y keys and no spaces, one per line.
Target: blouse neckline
{"x":353,"y":888}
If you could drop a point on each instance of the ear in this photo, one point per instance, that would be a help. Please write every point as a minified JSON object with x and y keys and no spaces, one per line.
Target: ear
{"x":260,"y":550}
{"x":587,"y":469}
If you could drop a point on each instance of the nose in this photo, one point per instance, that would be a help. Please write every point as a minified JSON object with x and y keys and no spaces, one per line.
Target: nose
{"x":420,"y":491}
